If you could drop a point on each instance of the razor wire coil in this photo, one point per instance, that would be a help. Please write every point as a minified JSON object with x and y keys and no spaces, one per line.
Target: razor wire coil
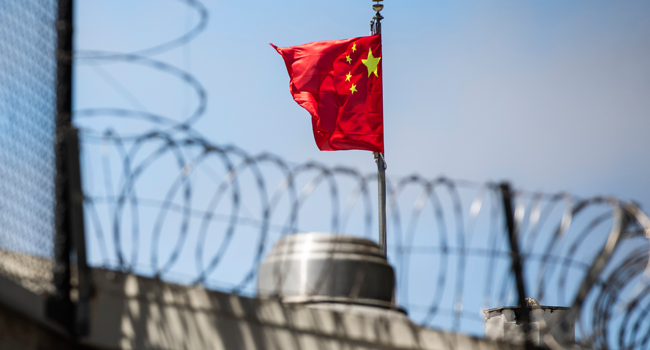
{"x":564,"y":239}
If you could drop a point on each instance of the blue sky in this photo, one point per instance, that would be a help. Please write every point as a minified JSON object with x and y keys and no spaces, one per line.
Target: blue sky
{"x":552,"y":95}
{"x":549,"y":94}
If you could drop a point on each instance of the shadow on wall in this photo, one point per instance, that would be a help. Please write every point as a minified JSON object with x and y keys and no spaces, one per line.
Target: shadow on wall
{"x":132,"y":312}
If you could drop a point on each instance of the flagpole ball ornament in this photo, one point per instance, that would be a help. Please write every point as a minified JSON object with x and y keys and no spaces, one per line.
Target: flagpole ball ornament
{"x":378,"y":7}
{"x":375,"y":23}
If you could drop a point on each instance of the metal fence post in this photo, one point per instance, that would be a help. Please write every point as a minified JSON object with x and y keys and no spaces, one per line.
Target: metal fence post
{"x":517,"y":262}
{"x":77,"y":233}
{"x":59,"y":307}
{"x":68,"y":212}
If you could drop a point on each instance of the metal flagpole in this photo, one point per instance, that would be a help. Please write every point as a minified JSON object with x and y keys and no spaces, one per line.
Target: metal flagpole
{"x":381,"y":177}
{"x":375,"y":28}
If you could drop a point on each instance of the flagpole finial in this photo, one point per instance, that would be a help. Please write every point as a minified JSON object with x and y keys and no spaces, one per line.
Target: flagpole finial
{"x":378,"y":7}
{"x":375,"y":23}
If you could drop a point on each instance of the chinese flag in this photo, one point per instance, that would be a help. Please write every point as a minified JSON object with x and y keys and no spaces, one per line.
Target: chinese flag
{"x":339,"y":83}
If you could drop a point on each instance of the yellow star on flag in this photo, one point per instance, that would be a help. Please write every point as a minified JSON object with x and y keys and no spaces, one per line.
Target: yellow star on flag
{"x":347,"y":58}
{"x":371,"y":62}
{"x":353,"y":89}
{"x":354,"y":47}
{"x":348,"y":76}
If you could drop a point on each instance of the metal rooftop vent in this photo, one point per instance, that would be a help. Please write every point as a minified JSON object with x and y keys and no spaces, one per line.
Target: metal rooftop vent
{"x":327,"y":268}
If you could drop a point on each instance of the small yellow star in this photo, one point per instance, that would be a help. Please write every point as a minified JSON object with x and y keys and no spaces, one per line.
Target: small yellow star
{"x":348,"y":76}
{"x":353,"y":89}
{"x":347,"y":58}
{"x":372,"y":63}
{"x":354,"y":47}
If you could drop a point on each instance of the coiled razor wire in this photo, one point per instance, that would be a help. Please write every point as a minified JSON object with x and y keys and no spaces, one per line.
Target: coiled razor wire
{"x":181,"y":208}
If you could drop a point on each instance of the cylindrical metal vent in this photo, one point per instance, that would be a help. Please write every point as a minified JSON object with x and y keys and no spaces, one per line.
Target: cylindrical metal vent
{"x":322,"y":267}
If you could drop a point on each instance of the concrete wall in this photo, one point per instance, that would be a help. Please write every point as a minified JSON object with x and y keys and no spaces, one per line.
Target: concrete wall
{"x":131,"y":312}
{"x":502,"y":324}
{"x":18,"y":332}
{"x":23,"y":324}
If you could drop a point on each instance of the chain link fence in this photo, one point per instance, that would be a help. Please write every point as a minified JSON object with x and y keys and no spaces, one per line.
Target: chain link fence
{"x":27,"y":132}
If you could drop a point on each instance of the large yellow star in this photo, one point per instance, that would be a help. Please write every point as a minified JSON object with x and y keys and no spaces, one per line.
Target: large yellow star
{"x":347,"y":58}
{"x":348,"y":76}
{"x":371,"y":62}
{"x":353,"y":89}
{"x":354,"y":47}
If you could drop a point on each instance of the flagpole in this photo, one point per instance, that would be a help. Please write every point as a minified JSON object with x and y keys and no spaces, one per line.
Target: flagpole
{"x":375,"y":28}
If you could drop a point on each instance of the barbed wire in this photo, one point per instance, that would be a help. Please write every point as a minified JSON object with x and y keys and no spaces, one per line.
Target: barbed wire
{"x":172,"y":199}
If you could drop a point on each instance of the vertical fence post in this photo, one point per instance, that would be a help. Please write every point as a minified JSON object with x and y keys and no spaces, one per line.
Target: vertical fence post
{"x":77,"y":233}
{"x":69,"y":234}
{"x":517,"y":262}
{"x":59,"y":307}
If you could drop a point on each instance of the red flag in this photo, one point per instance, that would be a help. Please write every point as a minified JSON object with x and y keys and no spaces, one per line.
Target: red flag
{"x":339,"y":83}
